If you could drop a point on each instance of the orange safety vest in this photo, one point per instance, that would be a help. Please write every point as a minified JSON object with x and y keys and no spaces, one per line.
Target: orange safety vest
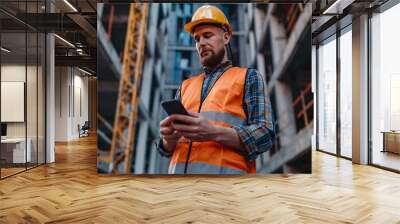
{"x":223,"y":106}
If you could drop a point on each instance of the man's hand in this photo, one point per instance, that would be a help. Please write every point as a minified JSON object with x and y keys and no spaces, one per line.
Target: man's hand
{"x":167,"y":131}
{"x":194,"y":127}
{"x":169,"y":135}
{"x":197,"y":128}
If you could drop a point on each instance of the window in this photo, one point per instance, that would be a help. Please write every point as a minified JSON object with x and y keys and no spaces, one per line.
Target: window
{"x":385,"y":88}
{"x":346,"y":93}
{"x":327,"y":95}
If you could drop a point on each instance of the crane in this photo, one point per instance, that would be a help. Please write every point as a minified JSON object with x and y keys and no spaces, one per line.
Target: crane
{"x":122,"y":145}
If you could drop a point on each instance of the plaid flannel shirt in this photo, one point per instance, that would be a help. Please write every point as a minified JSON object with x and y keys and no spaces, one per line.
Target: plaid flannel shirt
{"x":257,"y":132}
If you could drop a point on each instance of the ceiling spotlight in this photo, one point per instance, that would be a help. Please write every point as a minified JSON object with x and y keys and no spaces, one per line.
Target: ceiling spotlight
{"x":79,"y":51}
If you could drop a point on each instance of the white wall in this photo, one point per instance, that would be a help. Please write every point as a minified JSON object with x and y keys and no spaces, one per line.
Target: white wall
{"x":61,"y":103}
{"x":33,"y":127}
{"x":71,"y":94}
{"x":12,"y":73}
{"x":81,"y":84}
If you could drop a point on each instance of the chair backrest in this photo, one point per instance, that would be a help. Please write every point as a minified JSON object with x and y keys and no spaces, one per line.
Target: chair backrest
{"x":86,"y":124}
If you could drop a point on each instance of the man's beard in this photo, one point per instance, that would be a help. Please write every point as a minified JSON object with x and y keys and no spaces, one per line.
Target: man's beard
{"x":214,"y":59}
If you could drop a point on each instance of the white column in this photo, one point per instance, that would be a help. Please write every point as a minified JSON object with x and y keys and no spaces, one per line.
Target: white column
{"x":314,"y":89}
{"x":50,"y":100}
{"x":360,"y":90}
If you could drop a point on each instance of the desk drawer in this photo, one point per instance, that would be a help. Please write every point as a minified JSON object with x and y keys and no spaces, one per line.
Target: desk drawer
{"x":6,"y":153}
{"x":392,"y":141}
{"x":15,"y":152}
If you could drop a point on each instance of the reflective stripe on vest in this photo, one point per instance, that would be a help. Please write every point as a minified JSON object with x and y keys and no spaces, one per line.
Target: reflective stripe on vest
{"x":224,"y":117}
{"x":223,"y":106}
{"x":202,"y":168}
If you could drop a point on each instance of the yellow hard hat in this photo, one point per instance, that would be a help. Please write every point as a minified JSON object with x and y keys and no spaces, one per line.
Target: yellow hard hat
{"x":208,"y":14}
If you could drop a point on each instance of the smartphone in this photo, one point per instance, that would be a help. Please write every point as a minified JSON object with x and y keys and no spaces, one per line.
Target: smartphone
{"x":174,"y":107}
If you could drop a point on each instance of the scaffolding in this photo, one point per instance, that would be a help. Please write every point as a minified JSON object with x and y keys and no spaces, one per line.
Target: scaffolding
{"x":122,"y":146}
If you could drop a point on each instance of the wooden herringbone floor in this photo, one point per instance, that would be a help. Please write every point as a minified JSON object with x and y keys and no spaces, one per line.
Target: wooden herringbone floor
{"x":70,"y":191}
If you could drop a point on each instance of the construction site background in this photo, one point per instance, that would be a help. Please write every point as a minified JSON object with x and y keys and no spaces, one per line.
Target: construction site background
{"x":273,"y":38}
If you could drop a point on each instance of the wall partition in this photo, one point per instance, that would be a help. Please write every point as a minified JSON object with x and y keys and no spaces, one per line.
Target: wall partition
{"x":22,"y":78}
{"x":14,"y":153}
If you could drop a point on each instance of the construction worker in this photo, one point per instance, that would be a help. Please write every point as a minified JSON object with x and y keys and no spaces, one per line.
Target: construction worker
{"x":230,"y":120}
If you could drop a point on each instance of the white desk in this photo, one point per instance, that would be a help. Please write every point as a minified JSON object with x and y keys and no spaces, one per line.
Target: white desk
{"x":18,"y":150}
